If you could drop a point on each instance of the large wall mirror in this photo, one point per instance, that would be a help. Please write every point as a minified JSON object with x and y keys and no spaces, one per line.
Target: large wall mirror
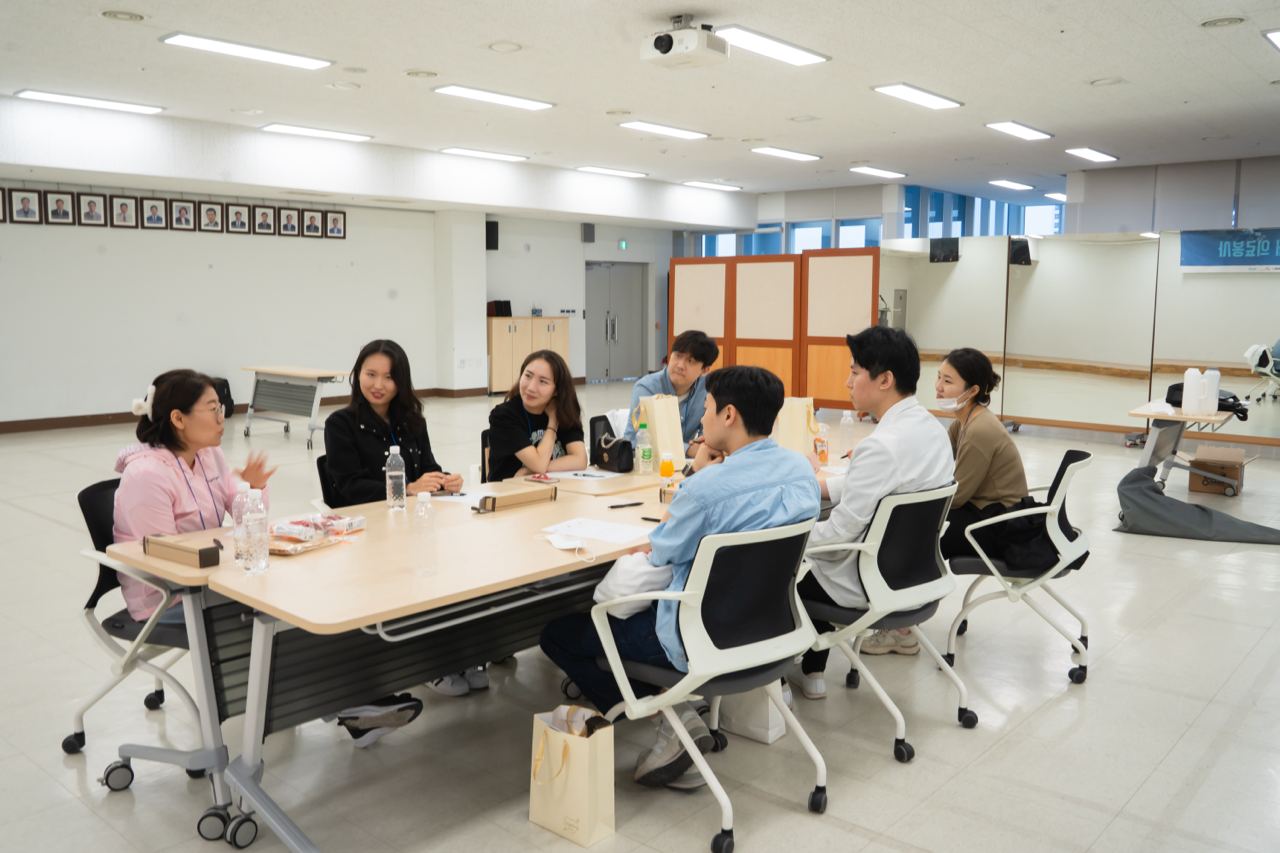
{"x":1079,"y":332}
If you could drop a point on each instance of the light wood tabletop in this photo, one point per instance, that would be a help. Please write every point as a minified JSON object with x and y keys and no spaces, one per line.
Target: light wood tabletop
{"x":1148,"y":411}
{"x":586,"y":484}
{"x":299,"y":372}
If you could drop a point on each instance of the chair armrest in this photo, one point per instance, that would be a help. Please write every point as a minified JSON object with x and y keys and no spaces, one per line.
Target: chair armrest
{"x":135,"y":649}
{"x":1034,"y":489}
{"x":999,"y":519}
{"x":840,"y":546}
{"x":600,"y":618}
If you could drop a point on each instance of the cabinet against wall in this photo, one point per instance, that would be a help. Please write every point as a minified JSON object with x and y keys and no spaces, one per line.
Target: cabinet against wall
{"x":513,"y":338}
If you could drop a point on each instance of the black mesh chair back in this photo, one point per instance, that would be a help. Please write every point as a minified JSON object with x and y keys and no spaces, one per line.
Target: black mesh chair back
{"x":908,"y":555}
{"x":598,"y":428}
{"x":748,"y":596}
{"x":1071,"y":457}
{"x":326,"y":485}
{"x":484,"y":456}
{"x":98,"y":506}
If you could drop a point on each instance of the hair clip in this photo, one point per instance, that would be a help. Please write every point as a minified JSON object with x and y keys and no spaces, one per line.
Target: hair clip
{"x":143,"y":406}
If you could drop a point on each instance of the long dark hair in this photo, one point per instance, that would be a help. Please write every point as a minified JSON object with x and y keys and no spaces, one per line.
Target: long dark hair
{"x":975,"y":369}
{"x":565,"y":398}
{"x":175,"y":390}
{"x":405,"y":406}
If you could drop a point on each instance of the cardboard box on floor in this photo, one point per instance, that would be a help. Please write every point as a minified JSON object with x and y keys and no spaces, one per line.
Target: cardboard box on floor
{"x":1226,"y":462}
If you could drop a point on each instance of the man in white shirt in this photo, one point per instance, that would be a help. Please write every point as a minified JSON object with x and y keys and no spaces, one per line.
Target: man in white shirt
{"x":907,"y":452}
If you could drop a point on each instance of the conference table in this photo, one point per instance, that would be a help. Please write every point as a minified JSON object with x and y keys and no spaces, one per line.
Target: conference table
{"x":408,"y":599}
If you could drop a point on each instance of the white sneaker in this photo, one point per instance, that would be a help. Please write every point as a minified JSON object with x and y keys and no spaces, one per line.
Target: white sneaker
{"x":885,"y":642}
{"x":666,"y":761}
{"x":812,"y":684}
{"x":788,"y":699}
{"x":477,"y":678}
{"x":452,"y":685}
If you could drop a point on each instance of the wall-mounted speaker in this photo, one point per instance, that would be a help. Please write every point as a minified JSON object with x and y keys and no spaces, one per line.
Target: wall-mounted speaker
{"x":588,"y":232}
{"x":491,"y":236}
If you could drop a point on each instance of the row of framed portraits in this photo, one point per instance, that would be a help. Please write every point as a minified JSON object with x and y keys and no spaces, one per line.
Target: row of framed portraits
{"x":96,"y":210}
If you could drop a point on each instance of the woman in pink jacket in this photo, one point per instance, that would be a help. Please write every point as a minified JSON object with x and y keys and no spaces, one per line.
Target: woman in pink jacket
{"x":176,"y":480}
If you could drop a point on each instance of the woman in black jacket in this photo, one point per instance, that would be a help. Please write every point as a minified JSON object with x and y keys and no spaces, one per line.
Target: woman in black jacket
{"x":383,"y":412}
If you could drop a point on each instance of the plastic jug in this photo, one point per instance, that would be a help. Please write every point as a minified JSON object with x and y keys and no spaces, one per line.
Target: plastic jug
{"x":1192,"y":392}
{"x":1212,"y":380}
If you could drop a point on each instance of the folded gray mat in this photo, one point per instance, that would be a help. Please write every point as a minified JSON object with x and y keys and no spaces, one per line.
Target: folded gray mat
{"x":1147,"y":510}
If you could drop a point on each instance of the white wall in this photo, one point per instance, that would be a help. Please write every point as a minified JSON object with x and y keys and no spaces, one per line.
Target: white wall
{"x":1086,"y":301}
{"x":542,"y":263}
{"x":953,"y":305}
{"x":462,"y":356}
{"x":1210,"y":319}
{"x":92,"y":314}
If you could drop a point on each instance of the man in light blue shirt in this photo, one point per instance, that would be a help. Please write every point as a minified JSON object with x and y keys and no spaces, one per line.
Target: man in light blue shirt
{"x":757,"y":485}
{"x":692,"y":354}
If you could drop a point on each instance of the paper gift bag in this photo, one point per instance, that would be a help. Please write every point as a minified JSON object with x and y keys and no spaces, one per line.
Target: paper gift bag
{"x":571,"y":778}
{"x":796,"y":425}
{"x":752,"y":715}
{"x":662,"y":413}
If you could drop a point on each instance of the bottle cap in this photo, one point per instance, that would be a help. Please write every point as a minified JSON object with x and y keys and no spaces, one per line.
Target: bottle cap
{"x":424,"y":497}
{"x":395,"y":448}
{"x":644,"y":425}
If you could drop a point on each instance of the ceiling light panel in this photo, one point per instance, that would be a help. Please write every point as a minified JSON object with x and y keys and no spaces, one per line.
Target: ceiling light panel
{"x":785,"y":154}
{"x":617,"y":173}
{"x":663,"y":130}
{"x":244,"y":51}
{"x":918,"y":96}
{"x":294,"y":130}
{"x":877,"y":173}
{"x":1274,"y":38}
{"x":1013,"y":128}
{"x":1091,"y":154}
{"x":96,"y":103}
{"x":1056,"y":196}
{"x":707,"y":185}
{"x":484,"y":155}
{"x":1010,"y":185}
{"x":494,"y":98}
{"x":1150,"y":235}
{"x":749,"y":40}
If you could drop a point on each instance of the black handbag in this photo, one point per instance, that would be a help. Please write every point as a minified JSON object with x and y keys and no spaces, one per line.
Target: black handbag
{"x":608,"y":452}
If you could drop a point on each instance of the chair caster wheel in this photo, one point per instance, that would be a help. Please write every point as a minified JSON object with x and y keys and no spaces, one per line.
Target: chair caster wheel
{"x":196,"y":774}
{"x":1121,"y":517}
{"x":286,"y":429}
{"x":570,"y":690}
{"x":853,"y":678}
{"x":1084,"y":640}
{"x":964,"y":626}
{"x":1229,"y":492}
{"x":1078,"y":674}
{"x":118,"y":776}
{"x":719,"y":743}
{"x":967,"y":718}
{"x":950,"y":659}
{"x":154,"y":700}
{"x":73,"y":743}
{"x":1160,"y":485}
{"x":242,"y":831}
{"x":903,"y":752}
{"x":212,"y":825}
{"x":818,"y":799}
{"x":723,"y":842}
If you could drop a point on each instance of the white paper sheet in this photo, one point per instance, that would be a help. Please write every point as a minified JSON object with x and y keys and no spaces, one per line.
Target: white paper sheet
{"x":602,"y":531}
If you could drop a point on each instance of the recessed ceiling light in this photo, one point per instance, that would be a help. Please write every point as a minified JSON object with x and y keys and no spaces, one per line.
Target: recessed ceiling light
{"x":1021,"y":131}
{"x":802,"y":119}
{"x":505,"y":47}
{"x":493,"y":98}
{"x":1274,"y":38}
{"x":1108,"y":81}
{"x":917,"y":96}
{"x":785,"y":154}
{"x":751,"y":140}
{"x":484,"y":155}
{"x":126,"y":17}
{"x":355,"y":69}
{"x":1056,"y":196}
{"x":294,"y":130}
{"x":1010,"y":185}
{"x":1091,"y":154}
{"x":617,"y":113}
{"x":745,"y":39}
{"x":343,"y":86}
{"x":247,"y":111}
{"x":707,"y":185}
{"x":876,"y":173}
{"x":1150,"y":235}
{"x":77,"y":101}
{"x":244,"y":51}
{"x":617,"y":173}
{"x":420,"y":73}
{"x":1227,"y":21}
{"x":662,"y":130}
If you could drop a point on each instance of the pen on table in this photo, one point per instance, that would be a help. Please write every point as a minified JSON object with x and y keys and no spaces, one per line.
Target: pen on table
{"x":586,"y":474}
{"x":649,"y":518}
{"x":847,"y":454}
{"x":624,"y":506}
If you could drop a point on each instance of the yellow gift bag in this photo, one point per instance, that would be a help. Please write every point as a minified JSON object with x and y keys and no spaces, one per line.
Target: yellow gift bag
{"x":571,"y":780}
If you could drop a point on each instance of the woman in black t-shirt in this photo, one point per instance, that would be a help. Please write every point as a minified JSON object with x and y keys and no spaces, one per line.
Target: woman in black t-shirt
{"x":539,"y":426}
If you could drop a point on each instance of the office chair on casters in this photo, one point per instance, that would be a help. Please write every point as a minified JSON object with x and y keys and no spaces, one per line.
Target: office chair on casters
{"x":742,"y":625}
{"x":326,"y":485}
{"x":1262,"y":362}
{"x":1072,"y":548}
{"x":904,"y":577}
{"x":484,"y":456}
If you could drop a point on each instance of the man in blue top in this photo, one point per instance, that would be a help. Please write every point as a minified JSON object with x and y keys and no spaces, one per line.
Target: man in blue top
{"x":758,"y":485}
{"x":692,"y":354}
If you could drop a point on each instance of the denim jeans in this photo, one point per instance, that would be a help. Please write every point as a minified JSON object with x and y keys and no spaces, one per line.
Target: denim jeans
{"x":572,"y":642}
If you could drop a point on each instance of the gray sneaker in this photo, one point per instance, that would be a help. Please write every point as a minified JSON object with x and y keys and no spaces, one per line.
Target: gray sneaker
{"x":691,"y":781}
{"x":666,"y":761}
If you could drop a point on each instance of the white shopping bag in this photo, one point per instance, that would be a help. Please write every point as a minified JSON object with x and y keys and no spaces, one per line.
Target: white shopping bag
{"x":571,"y":777}
{"x":752,"y":715}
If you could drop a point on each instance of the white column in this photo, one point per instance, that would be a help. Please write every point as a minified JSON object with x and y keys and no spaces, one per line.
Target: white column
{"x":461,"y":347}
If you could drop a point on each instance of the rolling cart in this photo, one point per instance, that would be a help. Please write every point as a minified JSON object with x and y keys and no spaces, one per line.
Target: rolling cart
{"x":289,"y":391}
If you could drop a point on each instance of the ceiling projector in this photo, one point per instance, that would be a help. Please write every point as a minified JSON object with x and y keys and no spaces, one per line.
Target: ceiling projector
{"x":685,"y":46}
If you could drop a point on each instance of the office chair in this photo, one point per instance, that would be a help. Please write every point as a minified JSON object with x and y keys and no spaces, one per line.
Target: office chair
{"x":326,"y":485}
{"x":484,"y":456}
{"x":742,"y":625}
{"x":1262,"y":362}
{"x":904,"y":577}
{"x":146,"y":642}
{"x":1072,"y":547}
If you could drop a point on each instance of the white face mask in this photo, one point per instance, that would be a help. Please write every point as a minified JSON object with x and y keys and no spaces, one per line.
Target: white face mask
{"x":954,"y":403}
{"x":570,"y":543}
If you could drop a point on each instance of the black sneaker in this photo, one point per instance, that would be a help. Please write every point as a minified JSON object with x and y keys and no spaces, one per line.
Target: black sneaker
{"x":367,"y":723}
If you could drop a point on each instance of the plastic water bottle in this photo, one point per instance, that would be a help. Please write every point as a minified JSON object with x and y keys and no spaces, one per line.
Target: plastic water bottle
{"x":395,"y":479}
{"x":239,"y":536}
{"x":1212,"y":381}
{"x":644,"y":450}
{"x":846,"y":431}
{"x":257,"y":534}
{"x":1192,"y":391}
{"x":422,"y":506}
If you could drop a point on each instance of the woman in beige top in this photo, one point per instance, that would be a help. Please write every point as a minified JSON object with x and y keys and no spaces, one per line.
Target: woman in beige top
{"x":989,"y":475}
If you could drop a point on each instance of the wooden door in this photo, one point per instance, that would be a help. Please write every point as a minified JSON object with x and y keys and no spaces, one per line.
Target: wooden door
{"x":558,"y":336}
{"x":521,"y":343}
{"x":500,"y":353}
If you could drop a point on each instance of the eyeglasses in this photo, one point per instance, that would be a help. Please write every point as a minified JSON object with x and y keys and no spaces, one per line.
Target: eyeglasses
{"x":215,"y":408}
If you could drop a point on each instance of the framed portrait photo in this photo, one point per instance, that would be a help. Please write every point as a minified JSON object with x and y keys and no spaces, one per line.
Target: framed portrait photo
{"x":91,"y":210}
{"x":312,"y":223}
{"x":124,"y":211}
{"x":335,"y":225}
{"x":237,"y":219}
{"x":182,"y":215}
{"x":155,"y":213}
{"x":288,"y":221}
{"x":24,"y":207}
{"x":59,"y":208}
{"x":211,"y":217}
{"x":264,"y":219}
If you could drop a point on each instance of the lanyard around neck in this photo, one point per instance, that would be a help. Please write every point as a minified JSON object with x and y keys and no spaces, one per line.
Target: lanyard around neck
{"x":186,"y":479}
